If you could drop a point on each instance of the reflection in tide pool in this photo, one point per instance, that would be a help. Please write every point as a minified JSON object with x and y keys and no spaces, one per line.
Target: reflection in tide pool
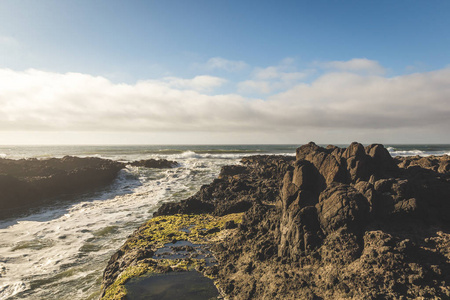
{"x":174,"y":285}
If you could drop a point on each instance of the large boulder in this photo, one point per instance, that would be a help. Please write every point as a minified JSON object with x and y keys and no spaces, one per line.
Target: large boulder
{"x":341,"y":205}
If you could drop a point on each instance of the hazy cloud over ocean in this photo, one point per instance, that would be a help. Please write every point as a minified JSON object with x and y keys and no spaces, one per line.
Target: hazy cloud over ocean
{"x":347,"y":95}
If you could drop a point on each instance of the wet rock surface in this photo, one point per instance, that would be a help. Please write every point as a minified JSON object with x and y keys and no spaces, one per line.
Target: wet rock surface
{"x":331,"y":223}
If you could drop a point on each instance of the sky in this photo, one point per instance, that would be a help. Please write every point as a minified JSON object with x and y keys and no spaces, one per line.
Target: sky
{"x":224,"y":72}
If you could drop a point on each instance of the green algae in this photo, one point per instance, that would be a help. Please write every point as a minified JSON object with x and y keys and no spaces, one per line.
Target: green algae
{"x":199,"y":229}
{"x":117,"y":290}
{"x":164,"y":229}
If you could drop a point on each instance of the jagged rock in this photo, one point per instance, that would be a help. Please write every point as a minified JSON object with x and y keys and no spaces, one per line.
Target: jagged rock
{"x":440,"y":164}
{"x":350,"y":223}
{"x":232,"y":171}
{"x":341,"y":205}
{"x":327,"y":203}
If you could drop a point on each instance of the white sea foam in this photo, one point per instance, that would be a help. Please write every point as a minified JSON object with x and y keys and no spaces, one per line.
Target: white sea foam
{"x":11,"y":289}
{"x":408,"y":153}
{"x":415,"y":152}
{"x":60,"y":252}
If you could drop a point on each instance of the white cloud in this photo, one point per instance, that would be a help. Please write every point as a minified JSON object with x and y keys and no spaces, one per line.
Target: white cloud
{"x":335,"y":104}
{"x":224,"y":64}
{"x":255,"y":86}
{"x":346,"y":100}
{"x":198,"y":83}
{"x":270,"y":79}
{"x":362,"y":65}
{"x":276,"y":73}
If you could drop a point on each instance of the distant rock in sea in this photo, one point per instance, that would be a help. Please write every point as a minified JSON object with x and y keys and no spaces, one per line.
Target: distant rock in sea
{"x":155,"y":163}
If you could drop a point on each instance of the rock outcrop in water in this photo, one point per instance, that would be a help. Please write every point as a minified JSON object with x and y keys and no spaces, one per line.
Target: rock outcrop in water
{"x":155,"y":163}
{"x":332,"y":223}
{"x":28,"y":183}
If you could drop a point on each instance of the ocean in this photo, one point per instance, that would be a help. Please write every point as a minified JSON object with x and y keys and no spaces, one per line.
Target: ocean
{"x":59,"y":251}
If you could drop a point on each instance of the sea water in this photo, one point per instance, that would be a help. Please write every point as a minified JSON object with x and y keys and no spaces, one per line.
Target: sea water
{"x":60,"y":251}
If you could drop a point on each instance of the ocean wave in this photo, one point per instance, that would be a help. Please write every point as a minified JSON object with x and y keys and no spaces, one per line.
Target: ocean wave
{"x":228,"y":155}
{"x":415,"y":152}
{"x":231,"y":151}
{"x":407,"y":152}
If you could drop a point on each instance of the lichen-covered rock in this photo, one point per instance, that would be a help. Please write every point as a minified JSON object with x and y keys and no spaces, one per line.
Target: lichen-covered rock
{"x":335,"y":223}
{"x":138,"y":255}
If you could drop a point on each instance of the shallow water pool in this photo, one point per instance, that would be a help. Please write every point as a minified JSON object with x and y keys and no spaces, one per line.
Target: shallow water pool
{"x":175,"y":285}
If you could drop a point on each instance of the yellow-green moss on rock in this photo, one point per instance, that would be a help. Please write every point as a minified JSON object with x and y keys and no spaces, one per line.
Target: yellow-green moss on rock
{"x":194,"y":228}
{"x":117,"y":290}
{"x":201,"y":229}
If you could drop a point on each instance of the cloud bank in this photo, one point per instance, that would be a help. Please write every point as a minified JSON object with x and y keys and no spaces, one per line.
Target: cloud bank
{"x":341,"y":100}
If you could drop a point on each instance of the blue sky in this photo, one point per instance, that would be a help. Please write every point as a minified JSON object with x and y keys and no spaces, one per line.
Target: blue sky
{"x":271,"y":61}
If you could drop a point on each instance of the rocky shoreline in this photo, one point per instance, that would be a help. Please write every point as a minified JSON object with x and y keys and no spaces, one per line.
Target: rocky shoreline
{"x":330,"y":223}
{"x":27,"y":183}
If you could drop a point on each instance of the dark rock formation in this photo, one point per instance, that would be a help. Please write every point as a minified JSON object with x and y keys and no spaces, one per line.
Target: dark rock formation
{"x":336,"y":223}
{"x":237,"y":188}
{"x":28,"y":182}
{"x":349,"y":223}
{"x":440,"y":164}
{"x":155,"y":163}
